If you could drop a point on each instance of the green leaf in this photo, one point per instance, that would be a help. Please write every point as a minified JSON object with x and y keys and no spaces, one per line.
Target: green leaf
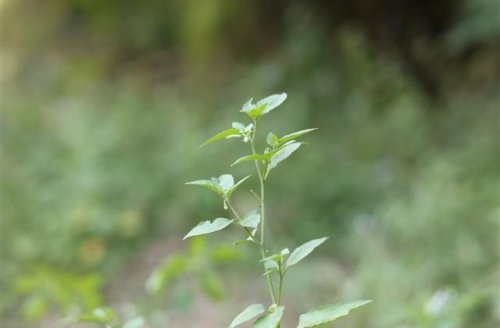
{"x":272,"y":102}
{"x":272,"y":139}
{"x":134,"y":323}
{"x":210,"y":184}
{"x":234,"y":187}
{"x":248,"y":158}
{"x":164,"y":274}
{"x":282,"y":154}
{"x":247,"y":314}
{"x":251,"y":220}
{"x":207,"y":227}
{"x":328,"y":313}
{"x":303,"y":250}
{"x":270,"y":320}
{"x":294,"y":135}
{"x":226,"y":181}
{"x":232,"y":132}
{"x":263,"y":106}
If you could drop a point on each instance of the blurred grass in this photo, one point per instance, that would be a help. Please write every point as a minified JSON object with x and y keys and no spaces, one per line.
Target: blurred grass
{"x":94,"y":158}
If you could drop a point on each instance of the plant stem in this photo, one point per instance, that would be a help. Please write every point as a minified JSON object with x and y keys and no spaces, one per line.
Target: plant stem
{"x":262,"y":213}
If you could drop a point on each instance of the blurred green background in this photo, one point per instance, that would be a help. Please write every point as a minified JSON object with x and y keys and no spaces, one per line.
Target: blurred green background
{"x":106,"y":102}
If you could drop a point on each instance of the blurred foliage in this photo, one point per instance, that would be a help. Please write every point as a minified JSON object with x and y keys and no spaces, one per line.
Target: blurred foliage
{"x":105,"y":103}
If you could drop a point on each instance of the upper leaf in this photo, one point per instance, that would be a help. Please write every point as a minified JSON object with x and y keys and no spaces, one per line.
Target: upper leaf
{"x":232,"y":132}
{"x":248,"y":314}
{"x":328,"y":313}
{"x":263,"y":106}
{"x":207,"y":227}
{"x":294,"y":135}
{"x":303,"y":250}
{"x":212,"y":184}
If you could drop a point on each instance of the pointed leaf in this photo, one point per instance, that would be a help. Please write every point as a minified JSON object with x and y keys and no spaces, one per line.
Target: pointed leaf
{"x":210,"y":184}
{"x":294,"y":135}
{"x":270,"y":320}
{"x":232,"y":132}
{"x":207,"y":227}
{"x":281,"y":155}
{"x":272,"y":102}
{"x":233,"y":188}
{"x":248,"y":158}
{"x":248,"y":314}
{"x":328,"y":313}
{"x":303,"y":250}
{"x":251,"y":220}
{"x":263,"y":106}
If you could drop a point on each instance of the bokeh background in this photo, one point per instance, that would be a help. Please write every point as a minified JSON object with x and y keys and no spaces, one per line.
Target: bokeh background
{"x":106,"y":102}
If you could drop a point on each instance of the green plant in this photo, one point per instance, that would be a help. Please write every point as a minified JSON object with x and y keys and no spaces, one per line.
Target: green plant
{"x":275,"y":265}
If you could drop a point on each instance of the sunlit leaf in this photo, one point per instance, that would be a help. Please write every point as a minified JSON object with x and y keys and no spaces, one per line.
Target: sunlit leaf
{"x":251,"y":220}
{"x":328,"y":313}
{"x":270,"y":320}
{"x":263,"y":106}
{"x":272,"y":102}
{"x":303,"y":250}
{"x":207,"y":227}
{"x":272,"y":139}
{"x":294,"y":135}
{"x":232,"y":132}
{"x":247,"y":314}
{"x":226,"y":181}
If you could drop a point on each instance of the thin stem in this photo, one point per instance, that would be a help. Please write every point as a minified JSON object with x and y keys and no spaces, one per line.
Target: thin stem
{"x":238,"y":217}
{"x":262,"y":213}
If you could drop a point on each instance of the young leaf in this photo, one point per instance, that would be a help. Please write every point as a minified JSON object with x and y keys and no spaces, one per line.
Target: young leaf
{"x":281,"y":155}
{"x":294,"y":135}
{"x":248,"y":314}
{"x":263,"y":106}
{"x":235,"y":186}
{"x":251,"y":220}
{"x":328,"y":313}
{"x":270,"y":320}
{"x":207,"y":227}
{"x":303,"y":250}
{"x":232,"y":132}
{"x":272,"y":139}
{"x":272,"y":102}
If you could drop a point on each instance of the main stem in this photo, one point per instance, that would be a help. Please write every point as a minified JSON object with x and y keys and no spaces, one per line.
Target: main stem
{"x":262,"y":213}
